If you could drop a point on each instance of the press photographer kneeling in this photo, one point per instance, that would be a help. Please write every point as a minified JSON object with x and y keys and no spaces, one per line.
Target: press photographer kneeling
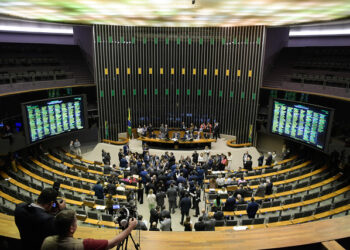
{"x":66,"y":224}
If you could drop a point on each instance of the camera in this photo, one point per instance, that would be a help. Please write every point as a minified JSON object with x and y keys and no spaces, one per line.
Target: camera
{"x":123,"y":215}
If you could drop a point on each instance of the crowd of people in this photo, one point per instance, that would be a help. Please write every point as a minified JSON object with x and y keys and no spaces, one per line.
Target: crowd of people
{"x":192,"y":132}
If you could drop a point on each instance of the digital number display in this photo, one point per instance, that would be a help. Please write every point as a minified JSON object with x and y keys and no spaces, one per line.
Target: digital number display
{"x":53,"y":117}
{"x":302,"y":122}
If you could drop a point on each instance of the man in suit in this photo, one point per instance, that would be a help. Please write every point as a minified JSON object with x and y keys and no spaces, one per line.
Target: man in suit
{"x":216,"y":133}
{"x":165,"y":224}
{"x":126,"y":149}
{"x":230,"y":203}
{"x":260,"y":192}
{"x":35,"y":221}
{"x":140,"y":224}
{"x":185,"y":205}
{"x":172,"y":195}
{"x":252,"y":208}
{"x":269,"y":186}
{"x":261,"y":160}
{"x":248,"y":164}
{"x":269,"y":159}
{"x":150,"y":130}
{"x":98,"y":190}
{"x":199,"y":226}
{"x":123,"y":163}
{"x":245,"y":157}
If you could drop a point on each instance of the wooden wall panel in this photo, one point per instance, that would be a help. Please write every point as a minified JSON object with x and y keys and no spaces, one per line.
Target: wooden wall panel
{"x":169,"y":75}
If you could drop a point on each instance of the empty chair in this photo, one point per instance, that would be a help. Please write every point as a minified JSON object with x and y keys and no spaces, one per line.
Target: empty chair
{"x":323,"y":209}
{"x":288,"y":201}
{"x":298,"y":215}
{"x":266,"y":204}
{"x":288,"y":188}
{"x":92,"y":215}
{"x":276,"y":204}
{"x":86,"y":186}
{"x":242,"y":207}
{"x":231,"y":223}
{"x":307,"y":213}
{"x":297,"y":199}
{"x":107,"y":217}
{"x":341,"y":203}
{"x":219,"y":223}
{"x":258,"y":221}
{"x":223,"y":196}
{"x":100,"y":202}
{"x":280,"y":190}
{"x":81,"y":214}
{"x":281,"y":178}
{"x":326,"y":191}
{"x":76,"y":184}
{"x":310,"y":196}
{"x":247,"y":222}
{"x":272,"y":219}
{"x":285,"y":217}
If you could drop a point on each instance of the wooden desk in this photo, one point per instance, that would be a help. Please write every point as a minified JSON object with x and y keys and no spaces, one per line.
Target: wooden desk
{"x":179,"y":144}
{"x":262,"y":238}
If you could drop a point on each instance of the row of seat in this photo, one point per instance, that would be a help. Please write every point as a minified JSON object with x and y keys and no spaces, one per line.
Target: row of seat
{"x":28,"y":61}
{"x":294,"y":202}
{"x":327,"y":80}
{"x":297,"y":218}
{"x":283,"y":183}
{"x":322,"y":65}
{"x":276,"y":174}
{"x":33,"y":76}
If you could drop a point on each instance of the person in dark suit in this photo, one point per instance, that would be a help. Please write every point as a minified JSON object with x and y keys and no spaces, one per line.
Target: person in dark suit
{"x":245,"y":157}
{"x":172,"y":195}
{"x":35,"y":221}
{"x":150,"y":130}
{"x":252,"y":208}
{"x":248,"y":164}
{"x":199,"y":226}
{"x":126,"y":149}
{"x":230,"y":203}
{"x":154,"y":215}
{"x":185,"y":205}
{"x":123,"y":163}
{"x":269,"y":186}
{"x":261,"y":160}
{"x":140,"y":224}
{"x":269,"y":159}
{"x":98,"y":190}
{"x":216,"y":133}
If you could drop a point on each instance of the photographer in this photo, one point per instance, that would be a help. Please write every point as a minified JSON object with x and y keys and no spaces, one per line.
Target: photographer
{"x":66,"y":224}
{"x":35,"y":221}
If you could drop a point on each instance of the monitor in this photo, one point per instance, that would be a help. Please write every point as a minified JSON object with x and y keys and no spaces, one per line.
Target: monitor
{"x":303,"y":122}
{"x":51,"y":117}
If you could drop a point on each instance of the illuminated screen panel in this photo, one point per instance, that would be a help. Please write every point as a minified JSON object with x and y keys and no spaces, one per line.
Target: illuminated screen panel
{"x":178,"y":13}
{"x":50,"y":117}
{"x":302,"y":122}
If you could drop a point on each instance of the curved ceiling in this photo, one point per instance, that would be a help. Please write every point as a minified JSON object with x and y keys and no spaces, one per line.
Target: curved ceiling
{"x":181,"y":13}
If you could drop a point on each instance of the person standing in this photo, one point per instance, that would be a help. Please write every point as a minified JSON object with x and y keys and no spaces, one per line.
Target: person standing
{"x":160,"y":196}
{"x":126,"y":149}
{"x":140,"y":192}
{"x":77,"y":147}
{"x":109,"y":204}
{"x":261,"y":160}
{"x":245,"y":158}
{"x":248,"y":164}
{"x":252,"y":208}
{"x":229,"y":160}
{"x":269,"y":159}
{"x":172,"y":195}
{"x":71,"y":147}
{"x":151,"y":198}
{"x":35,"y":221}
{"x":185,"y":205}
{"x":216,"y":131}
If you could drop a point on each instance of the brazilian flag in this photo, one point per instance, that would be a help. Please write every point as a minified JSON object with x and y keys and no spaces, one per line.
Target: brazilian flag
{"x":129,"y":123}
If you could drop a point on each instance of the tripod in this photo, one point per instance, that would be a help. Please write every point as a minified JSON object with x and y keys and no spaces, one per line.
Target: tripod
{"x":124,"y":244}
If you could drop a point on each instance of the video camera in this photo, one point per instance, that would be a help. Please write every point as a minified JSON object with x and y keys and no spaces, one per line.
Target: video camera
{"x":123,"y":215}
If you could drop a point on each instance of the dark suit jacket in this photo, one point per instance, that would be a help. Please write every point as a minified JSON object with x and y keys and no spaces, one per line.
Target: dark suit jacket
{"x":185,"y":204}
{"x":210,"y":225}
{"x":269,"y":160}
{"x":269,"y":187}
{"x":34,"y":225}
{"x":248,"y":165}
{"x":98,"y":191}
{"x":230,"y":204}
{"x":199,"y":226}
{"x":252,"y":209}
{"x":261,"y":160}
